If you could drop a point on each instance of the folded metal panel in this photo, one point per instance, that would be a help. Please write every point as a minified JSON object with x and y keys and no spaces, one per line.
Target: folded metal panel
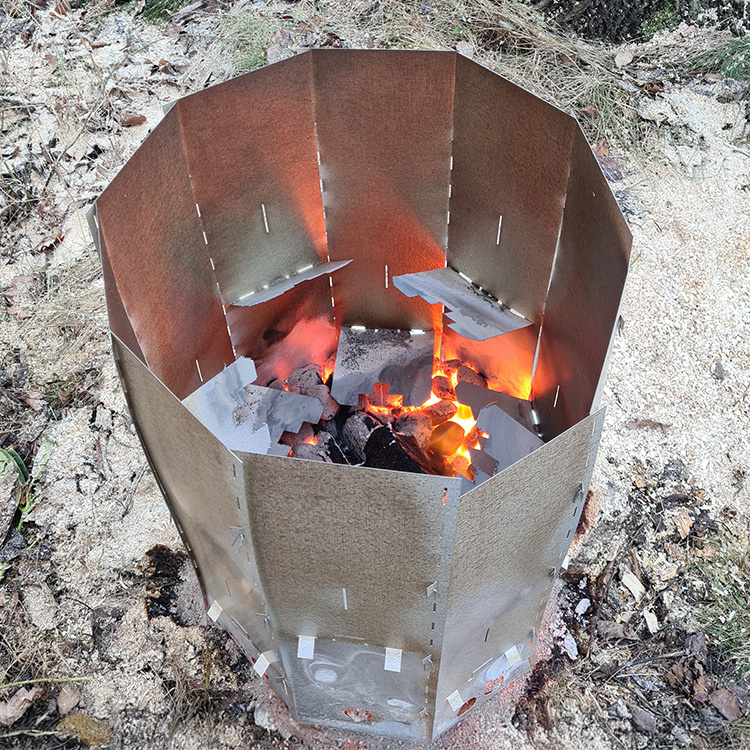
{"x":384,"y":133}
{"x":203,"y":483}
{"x":354,"y":554}
{"x":513,"y":531}
{"x":584,"y":296}
{"x":155,"y":247}
{"x":250,"y":145}
{"x":510,"y":168}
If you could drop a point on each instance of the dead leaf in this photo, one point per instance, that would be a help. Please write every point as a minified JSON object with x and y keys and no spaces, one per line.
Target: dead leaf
{"x":712,"y":77}
{"x":130,"y":120}
{"x":675,"y":676}
{"x":589,"y":112}
{"x":700,"y":689}
{"x":612,"y":170}
{"x":68,"y":698}
{"x":13,"y":709}
{"x":615,"y":630}
{"x":51,"y":59}
{"x":601,"y":148}
{"x":35,"y":400}
{"x":725,"y":701}
{"x":62,"y":8}
{"x":684,"y":523}
{"x":696,"y":645}
{"x":623,"y":57}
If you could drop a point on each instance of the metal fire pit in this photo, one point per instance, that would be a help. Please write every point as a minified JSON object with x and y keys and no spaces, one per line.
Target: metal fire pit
{"x":383,"y":202}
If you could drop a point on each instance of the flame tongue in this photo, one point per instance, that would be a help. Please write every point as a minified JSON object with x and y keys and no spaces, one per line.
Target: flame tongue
{"x":454,"y":426}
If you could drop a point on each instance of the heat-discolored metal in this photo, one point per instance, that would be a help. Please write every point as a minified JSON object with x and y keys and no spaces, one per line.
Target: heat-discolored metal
{"x":281,"y":219}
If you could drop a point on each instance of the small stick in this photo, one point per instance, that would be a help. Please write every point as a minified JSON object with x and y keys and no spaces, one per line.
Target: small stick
{"x":615,"y":566}
{"x":44,"y":679}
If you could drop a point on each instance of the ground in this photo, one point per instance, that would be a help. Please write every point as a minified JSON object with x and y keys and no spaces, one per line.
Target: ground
{"x":103,"y":637}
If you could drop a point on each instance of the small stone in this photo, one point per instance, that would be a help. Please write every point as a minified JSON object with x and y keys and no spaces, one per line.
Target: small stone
{"x":263,"y":718}
{"x":440,"y":412}
{"x":415,"y":425}
{"x":719,"y":372}
{"x":67,"y":699}
{"x":681,"y":737}
{"x":620,"y":710}
{"x":568,"y":645}
{"x":583,"y":606}
{"x":87,"y":730}
{"x":643,"y":720}
{"x":443,"y":388}
{"x":323,"y":394}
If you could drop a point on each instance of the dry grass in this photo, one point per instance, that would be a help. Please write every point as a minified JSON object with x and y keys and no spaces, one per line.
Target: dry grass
{"x":510,"y":38}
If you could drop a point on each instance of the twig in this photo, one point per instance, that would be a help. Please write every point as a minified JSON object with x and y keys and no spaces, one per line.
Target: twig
{"x":44,"y":679}
{"x":646,"y":660}
{"x":613,"y":570}
{"x":31,"y":733}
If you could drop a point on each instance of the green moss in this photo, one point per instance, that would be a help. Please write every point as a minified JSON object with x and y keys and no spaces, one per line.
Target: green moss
{"x":666,"y":18}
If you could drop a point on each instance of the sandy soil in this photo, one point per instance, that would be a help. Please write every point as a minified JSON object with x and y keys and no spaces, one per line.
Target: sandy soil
{"x":78,"y":586}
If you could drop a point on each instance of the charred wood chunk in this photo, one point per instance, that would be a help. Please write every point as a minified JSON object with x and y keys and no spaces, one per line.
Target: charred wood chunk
{"x":323,"y":394}
{"x":355,"y":434}
{"x":305,"y":435}
{"x":417,"y":426}
{"x":328,"y":446}
{"x":467,"y":375}
{"x":384,"y":450}
{"x":308,"y":451}
{"x":304,"y":378}
{"x":443,"y":388}
{"x":440,"y":412}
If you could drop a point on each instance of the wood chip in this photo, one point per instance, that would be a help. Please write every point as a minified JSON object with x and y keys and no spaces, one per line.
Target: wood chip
{"x":684,"y":523}
{"x":651,"y":622}
{"x":633,"y":585}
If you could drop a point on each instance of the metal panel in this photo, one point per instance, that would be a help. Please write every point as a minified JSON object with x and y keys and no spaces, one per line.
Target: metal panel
{"x":397,"y":543}
{"x":155,"y":246}
{"x":345,"y":685}
{"x":505,"y":361}
{"x":584,"y":296}
{"x":512,"y":533}
{"x":203,"y":484}
{"x":250,"y":145}
{"x":384,"y":133}
{"x":286,"y":332}
{"x":510,"y":159}
{"x":119,"y":323}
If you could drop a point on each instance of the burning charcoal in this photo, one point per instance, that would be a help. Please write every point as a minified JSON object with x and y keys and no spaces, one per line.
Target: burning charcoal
{"x":462,"y":465}
{"x":443,"y":388}
{"x":385,"y":451}
{"x":440,"y":412}
{"x":356,"y":433}
{"x":305,"y":435}
{"x":417,"y":426}
{"x":467,"y":375}
{"x":472,"y":437}
{"x":328,"y":446}
{"x":448,"y":367}
{"x":447,"y":438}
{"x":323,"y":394}
{"x":306,"y":377}
{"x":308,"y":451}
{"x":277,"y":385}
